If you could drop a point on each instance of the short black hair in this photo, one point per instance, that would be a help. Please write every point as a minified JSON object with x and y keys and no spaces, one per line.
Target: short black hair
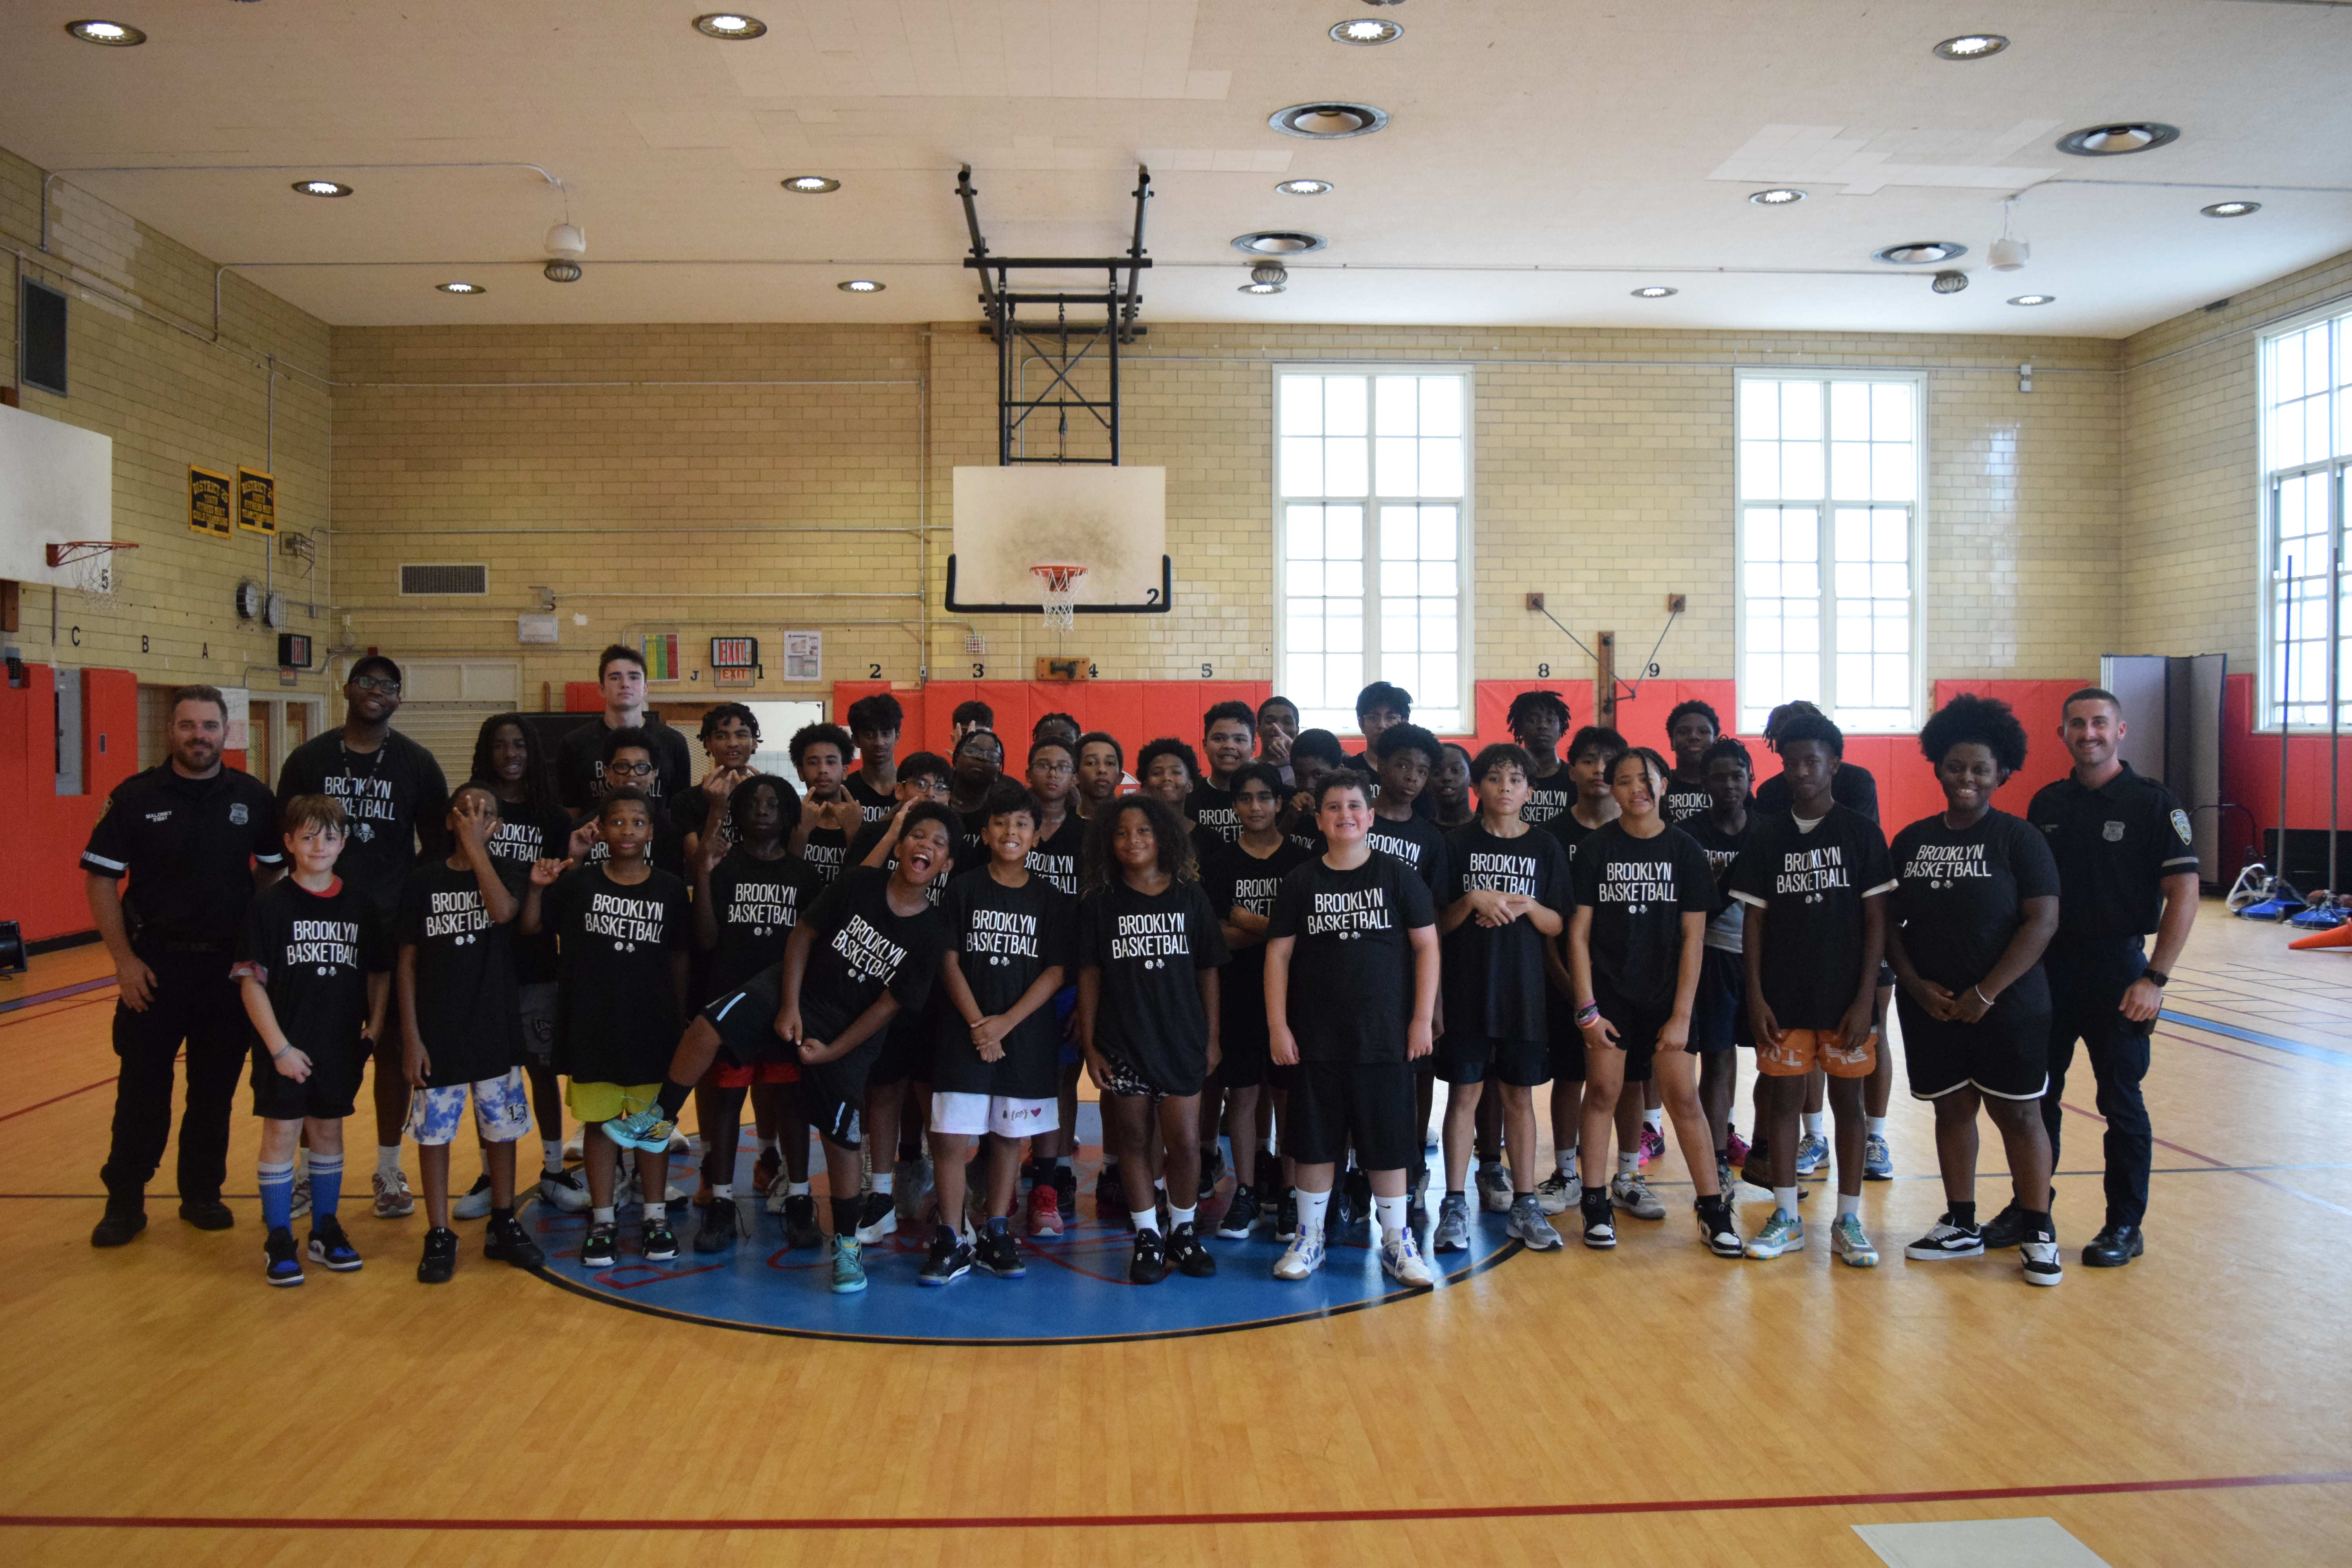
{"x":621,"y":740}
{"x":1166,"y":746}
{"x":1528,"y":704}
{"x":1173,"y":833}
{"x":1727,"y":747}
{"x":622,"y":796}
{"x":1815,"y":725}
{"x":1101,"y":738}
{"x":1780,"y":716}
{"x":975,"y":712}
{"x":1610,"y":741}
{"x":1693,"y":705}
{"x":924,"y":765}
{"x":788,"y":799}
{"x":1055,"y":743}
{"x":382,"y":662}
{"x":1986,"y":720}
{"x":1004,"y":798}
{"x":924,"y":811}
{"x":725,"y":711}
{"x":1503,"y":754}
{"x":831,"y":735}
{"x":1277,"y":702}
{"x":1241,"y":712}
{"x":1343,"y":778}
{"x":1265,"y":774}
{"x":2092,"y":694}
{"x":1384,"y":694}
{"x":1045,"y":719}
{"x":603,"y":660}
{"x":1318,"y":744}
{"x":1406,"y":738}
{"x":1459,"y":750}
{"x":879,"y":714}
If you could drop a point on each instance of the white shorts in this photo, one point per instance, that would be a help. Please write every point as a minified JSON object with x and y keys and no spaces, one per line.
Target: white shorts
{"x":973,"y":1114}
{"x":501,"y":1110}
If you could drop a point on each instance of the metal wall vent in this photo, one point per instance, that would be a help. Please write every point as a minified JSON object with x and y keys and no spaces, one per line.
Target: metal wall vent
{"x":444,"y":577}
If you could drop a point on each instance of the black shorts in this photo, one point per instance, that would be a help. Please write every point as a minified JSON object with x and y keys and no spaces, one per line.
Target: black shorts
{"x":2005,"y":1054}
{"x":1474,"y":1058}
{"x":1367,"y":1103}
{"x":906,"y":1049}
{"x":329,"y":1094}
{"x":1243,"y":1058}
{"x":1637,"y":1033}
{"x":1719,"y":1012}
{"x":828,"y":1102}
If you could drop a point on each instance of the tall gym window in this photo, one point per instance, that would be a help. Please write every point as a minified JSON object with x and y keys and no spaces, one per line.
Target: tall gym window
{"x":2306,"y":449}
{"x":1827,"y":548}
{"x":1373,"y":541}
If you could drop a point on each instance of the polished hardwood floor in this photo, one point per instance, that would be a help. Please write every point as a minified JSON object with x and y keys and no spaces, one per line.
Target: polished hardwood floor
{"x":1654,"y":1404}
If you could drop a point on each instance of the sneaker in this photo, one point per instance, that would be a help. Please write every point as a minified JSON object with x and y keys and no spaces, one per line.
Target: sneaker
{"x":912,"y":1182}
{"x":1285,"y":1223}
{"x":330,"y":1247}
{"x":1628,"y":1192}
{"x":1066,"y":1191}
{"x":1416,"y":1211}
{"x":1241,"y":1216}
{"x":1150,"y":1264}
{"x":1212,"y":1171}
{"x":1812,"y":1152}
{"x":1877,"y":1159}
{"x":877,"y":1218}
{"x":715,"y":1226}
{"x":1784,"y":1231}
{"x":848,"y":1266}
{"x":1400,"y":1261}
{"x":2039,"y":1252}
{"x":1734,"y":1148}
{"x":1559,"y":1192}
{"x":998,"y":1253}
{"x":1849,"y":1246}
{"x":601,"y":1247}
{"x":648,"y":1130}
{"x":1527,"y":1223}
{"x":1717,"y":1226}
{"x":1599,"y":1220}
{"x":949,"y":1258}
{"x":1947,"y":1240}
{"x":1494,"y":1189}
{"x":764,"y":1171}
{"x":1044,"y":1213}
{"x":1304,"y":1257}
{"x":2005,"y":1229}
{"x":281,"y":1259}
{"x":301,"y":1203}
{"x":800,"y":1222}
{"x":393,"y":1198}
{"x":440,"y":1261}
{"x":1339,"y":1214}
{"x":565,"y":1191}
{"x":506,"y":1241}
{"x":1110,"y":1193}
{"x":660,"y":1243}
{"x":1452,"y":1232}
{"x":474,"y":1201}
{"x":1187,"y":1255}
{"x":1654,"y":1145}
{"x":1754,"y":1171}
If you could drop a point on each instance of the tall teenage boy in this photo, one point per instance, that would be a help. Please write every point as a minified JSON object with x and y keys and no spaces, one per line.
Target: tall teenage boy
{"x":874,"y":725}
{"x":1228,"y":731}
{"x":621,"y":678}
{"x":1538,"y":722}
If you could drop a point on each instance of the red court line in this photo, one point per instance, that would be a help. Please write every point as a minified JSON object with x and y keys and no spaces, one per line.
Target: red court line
{"x":54,"y":1012}
{"x":23,"y":1110}
{"x":1144,"y":1521}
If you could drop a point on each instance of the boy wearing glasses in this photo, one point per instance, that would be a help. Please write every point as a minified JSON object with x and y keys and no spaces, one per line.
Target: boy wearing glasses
{"x":629,"y":763}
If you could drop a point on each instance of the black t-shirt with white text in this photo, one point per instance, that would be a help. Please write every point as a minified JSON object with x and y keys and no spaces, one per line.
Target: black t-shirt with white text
{"x":1569,"y":832}
{"x":618,"y":1016}
{"x":313,"y":952}
{"x":1213,"y":808}
{"x":1056,"y":859}
{"x":873,"y":805}
{"x":1351,"y":968}
{"x":863,"y":949}
{"x":1004,"y":939}
{"x":466,"y":1010}
{"x":1851,"y":786}
{"x":579,"y":759}
{"x":1235,"y":879}
{"x":1685,"y":798}
{"x":1150,"y":947}
{"x":826,"y":850}
{"x":1960,"y":898}
{"x":1549,"y":796}
{"x":1810,"y":887}
{"x":394,"y":796}
{"x":757,"y":903}
{"x":1495,"y":982}
{"x":1417,"y":841}
{"x":1639,"y":889}
{"x":517,"y":842}
{"x":667,"y":851}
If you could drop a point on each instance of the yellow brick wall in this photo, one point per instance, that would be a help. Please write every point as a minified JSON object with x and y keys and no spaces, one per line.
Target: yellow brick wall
{"x":145,"y":368}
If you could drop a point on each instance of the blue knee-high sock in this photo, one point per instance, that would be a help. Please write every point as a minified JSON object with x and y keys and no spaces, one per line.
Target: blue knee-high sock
{"x":326,"y":1184}
{"x":276,"y":1195}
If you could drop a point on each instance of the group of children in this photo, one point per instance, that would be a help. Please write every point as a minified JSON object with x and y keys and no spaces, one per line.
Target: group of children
{"x":1288,"y":943}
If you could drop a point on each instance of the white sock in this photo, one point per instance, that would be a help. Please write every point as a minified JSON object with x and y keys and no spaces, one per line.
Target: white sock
{"x":1061,"y":1161}
{"x":1392,"y":1212}
{"x":796,"y":1189}
{"x":387,"y":1160}
{"x":1873,"y":1126}
{"x":884,"y":1181}
{"x":1785,"y":1200}
{"x":1627,"y":1164}
{"x":1311,"y":1207}
{"x":1849,"y":1206}
{"x":770,"y":1146}
{"x":1656,"y":1118}
{"x":1177,"y":1216}
{"x":722,"y":1192}
{"x":1812,"y":1123}
{"x":600,"y":1216}
{"x":1566,"y":1160}
{"x":1145,"y":1219}
{"x":655,"y":1213}
{"x":551,"y":1154}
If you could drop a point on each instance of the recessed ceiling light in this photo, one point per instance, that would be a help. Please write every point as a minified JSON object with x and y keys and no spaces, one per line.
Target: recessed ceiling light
{"x":1262,"y":287}
{"x":812,"y":185}
{"x":113,"y":35}
{"x":1328,"y":122}
{"x":729,"y":24}
{"x":1654,"y":291}
{"x":1304,"y":187}
{"x":1778,"y":196}
{"x":2035,"y":300}
{"x":859,"y":286}
{"x":1971,"y":46}
{"x":1365,"y":30}
{"x":1920,"y":253}
{"x":2114,"y":141}
{"x":461,"y":287}
{"x":323,"y":187}
{"x":1277,"y":242}
{"x":2232,"y":209}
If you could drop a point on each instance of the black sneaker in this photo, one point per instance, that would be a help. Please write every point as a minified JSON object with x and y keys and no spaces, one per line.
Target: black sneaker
{"x":1599,"y":1219}
{"x":1718,"y":1227}
{"x":1150,"y":1264}
{"x":330,"y":1247}
{"x":1359,"y":1190}
{"x":117,"y":1229}
{"x":997,"y":1252}
{"x":1338,"y":1215}
{"x":1212,"y":1171}
{"x":715,"y":1226}
{"x":440,"y":1257}
{"x":1241,"y":1216}
{"x":1285,"y":1224}
{"x":1110,"y":1194}
{"x":207,"y":1213}
{"x":1188,"y":1255}
{"x":601,"y":1245}
{"x":281,"y":1258}
{"x":1066,"y":1191}
{"x":2005,"y":1229}
{"x":949,"y":1258}
{"x":1946,"y":1240}
{"x":660,"y":1243}
{"x":507,"y":1242}
{"x":877,"y":1217}
{"x":801,"y":1228}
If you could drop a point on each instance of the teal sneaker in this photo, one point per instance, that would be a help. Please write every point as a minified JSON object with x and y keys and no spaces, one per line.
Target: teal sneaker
{"x":849,"y":1267}
{"x":1784,"y":1231}
{"x":1850,"y":1246}
{"x":648,"y":1130}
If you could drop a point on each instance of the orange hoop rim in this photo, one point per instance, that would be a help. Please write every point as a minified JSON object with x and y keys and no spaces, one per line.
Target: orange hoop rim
{"x":74,"y":549}
{"x":1058,"y":575}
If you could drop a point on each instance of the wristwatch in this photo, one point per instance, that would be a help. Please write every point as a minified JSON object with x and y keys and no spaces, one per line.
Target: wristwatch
{"x":2155,"y":977}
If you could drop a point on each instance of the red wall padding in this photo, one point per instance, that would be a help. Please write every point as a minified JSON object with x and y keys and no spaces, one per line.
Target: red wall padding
{"x":2249,"y":776}
{"x":40,"y":877}
{"x":1134,"y":710}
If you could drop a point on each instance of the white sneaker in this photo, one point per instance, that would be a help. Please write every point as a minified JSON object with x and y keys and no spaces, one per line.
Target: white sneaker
{"x":1559,"y":1192}
{"x":393,"y":1198}
{"x":1628,"y":1192}
{"x":2039,"y":1258}
{"x":474,"y":1201}
{"x":301,"y":1193}
{"x":1400,"y":1260}
{"x":1529,"y":1225}
{"x":1304,"y":1257}
{"x":565,"y":1190}
{"x":1494,"y":1189}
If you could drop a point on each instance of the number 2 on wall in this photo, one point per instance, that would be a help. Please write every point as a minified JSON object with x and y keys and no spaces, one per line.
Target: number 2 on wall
{"x":873,"y":672}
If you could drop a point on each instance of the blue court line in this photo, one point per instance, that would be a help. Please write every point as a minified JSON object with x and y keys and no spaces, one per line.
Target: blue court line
{"x":2256,"y":1037}
{"x":39,"y":997}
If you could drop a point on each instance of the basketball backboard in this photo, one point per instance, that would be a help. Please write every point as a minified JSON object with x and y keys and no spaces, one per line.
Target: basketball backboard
{"x":1111,"y":521}
{"x":57,"y":483}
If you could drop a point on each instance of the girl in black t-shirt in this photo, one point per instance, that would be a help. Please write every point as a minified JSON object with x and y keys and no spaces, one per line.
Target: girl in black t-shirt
{"x":1643,"y":893}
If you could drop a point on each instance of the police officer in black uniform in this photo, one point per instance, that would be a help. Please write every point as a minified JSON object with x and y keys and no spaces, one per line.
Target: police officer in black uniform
{"x":197,"y":840}
{"x":2124,"y":868}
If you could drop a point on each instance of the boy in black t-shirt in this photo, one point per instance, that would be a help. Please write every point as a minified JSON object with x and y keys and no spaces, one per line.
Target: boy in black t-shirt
{"x":731,"y":738}
{"x":1345,"y":927}
{"x":620,"y":934}
{"x":996,"y":1072}
{"x":313,"y":966}
{"x":1539,"y":722}
{"x":461,"y":1030}
{"x":874,"y":725}
{"x":1227,"y":732}
{"x":1450,"y":796}
{"x":1814,"y":883}
{"x":1405,"y":826}
{"x":820,"y":752}
{"x":628,"y":763}
{"x":1312,"y":754}
{"x":1720,"y":1016}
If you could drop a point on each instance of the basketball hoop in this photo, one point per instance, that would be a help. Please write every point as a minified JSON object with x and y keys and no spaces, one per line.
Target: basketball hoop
{"x":92,"y":563}
{"x":1061,"y":580}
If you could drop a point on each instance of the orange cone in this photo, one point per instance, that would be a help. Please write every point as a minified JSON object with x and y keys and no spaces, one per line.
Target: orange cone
{"x":2341,"y":936}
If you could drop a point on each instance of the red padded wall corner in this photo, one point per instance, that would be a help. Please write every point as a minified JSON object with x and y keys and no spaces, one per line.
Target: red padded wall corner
{"x":2249,"y":776}
{"x":583,"y":696}
{"x":40,"y":874}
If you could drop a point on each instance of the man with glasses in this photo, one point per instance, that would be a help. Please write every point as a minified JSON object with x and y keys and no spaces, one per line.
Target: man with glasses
{"x":621,"y":676}
{"x":394,"y":795}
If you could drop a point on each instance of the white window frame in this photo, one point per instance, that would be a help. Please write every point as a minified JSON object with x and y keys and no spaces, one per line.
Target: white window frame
{"x":1828,"y":507}
{"x":2335,"y":471}
{"x":1463,"y":700}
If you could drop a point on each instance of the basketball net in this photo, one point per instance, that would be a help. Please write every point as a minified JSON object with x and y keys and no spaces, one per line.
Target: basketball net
{"x":1061,"y":580}
{"x":93,"y":563}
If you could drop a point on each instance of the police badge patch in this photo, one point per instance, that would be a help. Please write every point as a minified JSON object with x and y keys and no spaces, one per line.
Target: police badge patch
{"x":2181,"y":824}
{"x":2114,"y":832}
{"x":238,"y":815}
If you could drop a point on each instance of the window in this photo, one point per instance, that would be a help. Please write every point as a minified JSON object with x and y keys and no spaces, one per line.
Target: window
{"x":1829,"y":536}
{"x":2307,"y":448}
{"x":1371,"y":529}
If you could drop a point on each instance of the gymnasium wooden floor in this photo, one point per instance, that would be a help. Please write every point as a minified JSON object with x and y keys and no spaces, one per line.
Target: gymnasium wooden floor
{"x":1655,"y":1405}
